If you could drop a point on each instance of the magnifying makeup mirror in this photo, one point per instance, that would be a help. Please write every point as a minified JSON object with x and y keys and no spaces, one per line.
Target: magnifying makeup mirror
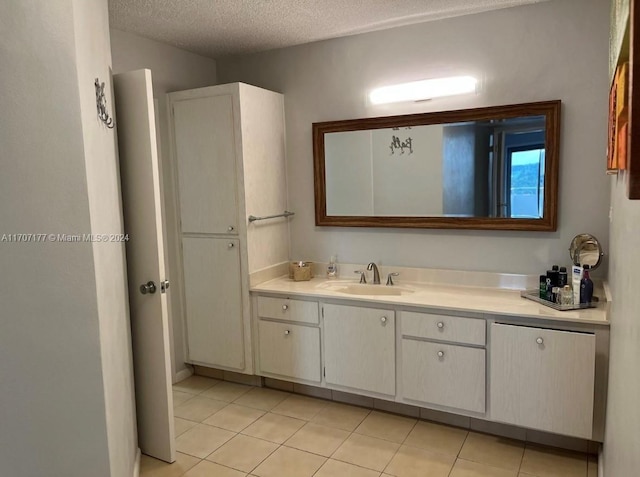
{"x":585,"y":249}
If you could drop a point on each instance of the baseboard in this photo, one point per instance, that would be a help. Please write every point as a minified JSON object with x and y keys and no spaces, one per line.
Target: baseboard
{"x":136,"y":467}
{"x":182,"y":374}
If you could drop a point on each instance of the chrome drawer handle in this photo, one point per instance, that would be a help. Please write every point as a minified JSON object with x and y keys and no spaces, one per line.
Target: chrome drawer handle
{"x":286,"y":332}
{"x":231,"y":245}
{"x":285,"y":307}
{"x":231,"y":228}
{"x":540,"y":341}
{"x":440,"y":354}
{"x":440,"y":324}
{"x":383,"y":320}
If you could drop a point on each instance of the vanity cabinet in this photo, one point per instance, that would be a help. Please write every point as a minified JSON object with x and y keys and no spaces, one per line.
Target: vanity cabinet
{"x":438,"y":366}
{"x":359,"y":348}
{"x":543,"y":379}
{"x":290,"y":346}
{"x":227,"y":146}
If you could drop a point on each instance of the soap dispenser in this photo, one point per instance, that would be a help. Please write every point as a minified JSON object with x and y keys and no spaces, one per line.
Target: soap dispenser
{"x":332,"y":268}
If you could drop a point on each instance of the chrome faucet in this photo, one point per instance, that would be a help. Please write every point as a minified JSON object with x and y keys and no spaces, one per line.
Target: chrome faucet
{"x":376,"y":273}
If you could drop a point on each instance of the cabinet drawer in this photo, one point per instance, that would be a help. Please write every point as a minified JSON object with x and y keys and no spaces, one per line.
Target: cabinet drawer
{"x":445,"y":328}
{"x":289,"y":350}
{"x":287,"y":309}
{"x":447,"y":375}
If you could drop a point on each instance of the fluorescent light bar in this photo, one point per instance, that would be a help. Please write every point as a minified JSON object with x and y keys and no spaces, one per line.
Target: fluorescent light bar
{"x":422,"y":90}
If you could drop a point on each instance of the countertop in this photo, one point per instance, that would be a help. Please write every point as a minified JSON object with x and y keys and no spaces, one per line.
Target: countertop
{"x":494,"y":301}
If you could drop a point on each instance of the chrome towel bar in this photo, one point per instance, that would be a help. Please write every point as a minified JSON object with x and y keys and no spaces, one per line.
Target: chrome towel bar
{"x":286,"y":213}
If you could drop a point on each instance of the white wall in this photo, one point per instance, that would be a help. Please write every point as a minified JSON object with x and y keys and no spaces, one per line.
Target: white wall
{"x":550,"y":50}
{"x":622,"y":439}
{"x":93,"y":50}
{"x":53,"y":417}
{"x":172,"y":69}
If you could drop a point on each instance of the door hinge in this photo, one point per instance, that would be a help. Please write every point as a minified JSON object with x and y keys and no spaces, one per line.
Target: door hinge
{"x":322,"y":308}
{"x":324,"y":372}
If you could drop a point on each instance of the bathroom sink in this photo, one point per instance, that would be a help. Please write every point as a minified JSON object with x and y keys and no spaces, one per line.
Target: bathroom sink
{"x":350,"y":288}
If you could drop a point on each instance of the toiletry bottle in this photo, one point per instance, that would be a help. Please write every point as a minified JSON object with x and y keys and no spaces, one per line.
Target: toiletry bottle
{"x":586,"y":287}
{"x":562,"y":277}
{"x":555,"y":277}
{"x":543,"y":287}
{"x":576,"y":276}
{"x":332,"y":268}
{"x":566,"y":296}
{"x":549,"y":286}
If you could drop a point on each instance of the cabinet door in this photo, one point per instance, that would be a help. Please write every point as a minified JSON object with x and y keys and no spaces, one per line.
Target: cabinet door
{"x":359,"y":347}
{"x":206,"y":161}
{"x":543,"y":379}
{"x":446,"y":375}
{"x":213,"y":301}
{"x":289,"y":350}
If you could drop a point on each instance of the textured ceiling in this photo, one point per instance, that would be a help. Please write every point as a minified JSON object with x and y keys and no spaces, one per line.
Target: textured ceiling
{"x":217,"y":28}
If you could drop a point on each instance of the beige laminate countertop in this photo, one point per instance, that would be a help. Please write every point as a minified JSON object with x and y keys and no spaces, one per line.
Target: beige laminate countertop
{"x":494,"y":301}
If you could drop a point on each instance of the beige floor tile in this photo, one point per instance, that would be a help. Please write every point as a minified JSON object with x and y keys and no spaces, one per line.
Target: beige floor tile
{"x":179,"y":397}
{"x":286,"y":462}
{"x":437,"y":438}
{"x":335,"y":468}
{"x":198,"y":408}
{"x":300,"y":407}
{"x":201,"y":440}
{"x":150,"y":467}
{"x":318,"y":439}
{"x":414,"y":462}
{"x":366,"y":451}
{"x":493,"y":451}
{"x":262,"y":398}
{"x":209,"y":469}
{"x":274,"y":428}
{"x":243,"y":453}
{"x":182,"y":425}
{"x":466,"y":468}
{"x":195,"y":384}
{"x":592,"y":466}
{"x":341,"y":416}
{"x":234,"y":418}
{"x":226,"y":391}
{"x":386,"y":426}
{"x":547,"y":462}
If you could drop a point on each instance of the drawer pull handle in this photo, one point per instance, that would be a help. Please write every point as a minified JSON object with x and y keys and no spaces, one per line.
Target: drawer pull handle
{"x":440,"y":324}
{"x":440,"y":354}
{"x":286,"y":332}
{"x":383,"y":320}
{"x":540,"y":341}
{"x":231,"y":228}
{"x":231,"y":245}
{"x":285,"y":307}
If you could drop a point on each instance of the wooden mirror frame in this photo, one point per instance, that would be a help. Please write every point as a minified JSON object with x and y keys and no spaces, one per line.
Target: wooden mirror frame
{"x":548,"y":223}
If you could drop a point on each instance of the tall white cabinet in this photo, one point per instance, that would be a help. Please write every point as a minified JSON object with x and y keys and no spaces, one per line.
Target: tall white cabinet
{"x":227,"y":143}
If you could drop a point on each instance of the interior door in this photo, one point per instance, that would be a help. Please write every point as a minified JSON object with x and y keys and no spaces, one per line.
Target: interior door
{"x":140,"y":180}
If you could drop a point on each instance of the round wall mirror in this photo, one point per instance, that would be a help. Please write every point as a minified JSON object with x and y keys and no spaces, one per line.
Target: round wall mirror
{"x":585,"y":249}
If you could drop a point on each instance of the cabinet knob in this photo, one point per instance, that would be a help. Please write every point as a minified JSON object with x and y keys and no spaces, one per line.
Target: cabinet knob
{"x":231,"y":228}
{"x":383,"y":320}
{"x":539,"y":341}
{"x":231,"y":245}
{"x":440,"y":354}
{"x":440,"y":324}
{"x":285,"y":307}
{"x":286,"y":332}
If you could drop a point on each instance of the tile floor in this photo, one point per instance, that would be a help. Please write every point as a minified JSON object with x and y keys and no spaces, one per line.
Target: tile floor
{"x":225,"y":429}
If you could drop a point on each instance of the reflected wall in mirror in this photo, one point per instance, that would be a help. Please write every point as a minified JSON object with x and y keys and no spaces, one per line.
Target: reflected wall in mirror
{"x":483,"y":168}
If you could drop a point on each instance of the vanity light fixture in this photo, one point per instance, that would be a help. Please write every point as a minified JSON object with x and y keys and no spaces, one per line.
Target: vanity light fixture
{"x":423,"y":90}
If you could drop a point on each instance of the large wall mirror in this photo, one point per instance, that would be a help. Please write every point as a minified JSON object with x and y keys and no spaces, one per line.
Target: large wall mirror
{"x":483,"y":168}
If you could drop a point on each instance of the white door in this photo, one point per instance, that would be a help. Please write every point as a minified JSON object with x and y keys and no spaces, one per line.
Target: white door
{"x":204,"y":136}
{"x":145,"y":263}
{"x":543,"y":379}
{"x":359,"y":348}
{"x":213,"y":298}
